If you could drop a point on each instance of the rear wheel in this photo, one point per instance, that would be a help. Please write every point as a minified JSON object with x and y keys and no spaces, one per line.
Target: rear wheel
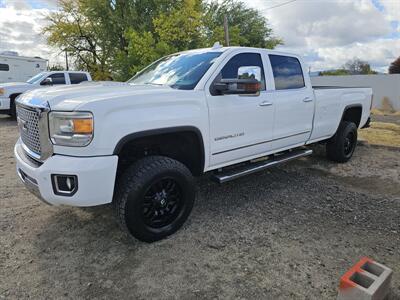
{"x":154,"y":197}
{"x":341,"y":146}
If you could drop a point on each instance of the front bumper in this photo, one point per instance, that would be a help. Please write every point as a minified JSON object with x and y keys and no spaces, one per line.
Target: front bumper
{"x":96,"y":177}
{"x":4,"y":104}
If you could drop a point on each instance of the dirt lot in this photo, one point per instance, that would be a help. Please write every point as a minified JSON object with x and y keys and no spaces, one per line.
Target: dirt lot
{"x":289,"y":232}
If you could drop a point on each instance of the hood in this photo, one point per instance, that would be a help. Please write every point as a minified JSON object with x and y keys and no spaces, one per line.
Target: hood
{"x":68,"y":98}
{"x":15,"y":87}
{"x":11,"y":84}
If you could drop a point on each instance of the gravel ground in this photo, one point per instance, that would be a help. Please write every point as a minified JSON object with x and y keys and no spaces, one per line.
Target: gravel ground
{"x":286,"y":233}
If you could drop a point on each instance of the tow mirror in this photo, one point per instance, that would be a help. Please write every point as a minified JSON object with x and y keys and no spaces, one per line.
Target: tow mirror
{"x":47,"y":81}
{"x":248,"y":82}
{"x":249,"y":72}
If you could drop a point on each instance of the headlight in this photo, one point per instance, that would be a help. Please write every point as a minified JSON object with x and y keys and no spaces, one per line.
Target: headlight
{"x":2,"y":92}
{"x":71,"y":128}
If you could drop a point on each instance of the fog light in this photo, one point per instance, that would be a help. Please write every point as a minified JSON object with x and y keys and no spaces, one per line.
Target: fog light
{"x":64,"y":185}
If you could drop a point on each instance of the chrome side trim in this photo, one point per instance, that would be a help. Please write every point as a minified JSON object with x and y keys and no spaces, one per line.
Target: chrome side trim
{"x":45,"y":143}
{"x":240,"y":171}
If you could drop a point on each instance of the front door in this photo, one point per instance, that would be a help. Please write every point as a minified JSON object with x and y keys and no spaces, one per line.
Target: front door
{"x":240,"y":125}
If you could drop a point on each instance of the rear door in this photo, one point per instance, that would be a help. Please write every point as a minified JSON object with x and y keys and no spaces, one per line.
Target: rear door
{"x":293,"y":100}
{"x":240,"y":125}
{"x":76,"y":78}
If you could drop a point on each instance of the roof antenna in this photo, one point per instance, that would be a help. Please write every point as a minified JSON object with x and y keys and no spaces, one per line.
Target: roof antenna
{"x":216,"y":45}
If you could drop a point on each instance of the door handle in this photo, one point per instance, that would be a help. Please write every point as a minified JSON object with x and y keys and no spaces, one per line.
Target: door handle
{"x":265,"y":103}
{"x":307,"y":99}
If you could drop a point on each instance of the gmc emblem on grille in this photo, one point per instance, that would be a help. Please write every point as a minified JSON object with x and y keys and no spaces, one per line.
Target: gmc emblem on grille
{"x":22,"y":125}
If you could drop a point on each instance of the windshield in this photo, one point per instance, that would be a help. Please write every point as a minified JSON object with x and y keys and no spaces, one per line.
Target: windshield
{"x":35,"y":78}
{"x":180,"y":71}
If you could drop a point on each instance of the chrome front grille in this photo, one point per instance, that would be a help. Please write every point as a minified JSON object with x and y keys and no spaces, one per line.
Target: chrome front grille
{"x":28,"y":123}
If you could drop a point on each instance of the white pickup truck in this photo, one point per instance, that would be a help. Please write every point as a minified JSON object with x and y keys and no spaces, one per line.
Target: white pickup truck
{"x":228,"y":111}
{"x":11,"y":90}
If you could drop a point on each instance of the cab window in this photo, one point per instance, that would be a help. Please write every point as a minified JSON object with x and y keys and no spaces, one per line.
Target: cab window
{"x":77,"y":77}
{"x":287,"y":72}
{"x":230,"y":70}
{"x":57,"y":78}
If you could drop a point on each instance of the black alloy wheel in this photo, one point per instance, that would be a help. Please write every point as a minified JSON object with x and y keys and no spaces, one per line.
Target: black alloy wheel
{"x":154,"y":197}
{"x":162,"y":203}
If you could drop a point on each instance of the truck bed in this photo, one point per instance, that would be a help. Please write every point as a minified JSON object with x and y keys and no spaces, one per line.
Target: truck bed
{"x":331,"y":102}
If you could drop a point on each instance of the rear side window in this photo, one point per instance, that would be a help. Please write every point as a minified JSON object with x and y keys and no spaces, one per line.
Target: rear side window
{"x":230,"y":70}
{"x":57,"y":78}
{"x":287,"y":72}
{"x":4,"y":67}
{"x":77,"y":77}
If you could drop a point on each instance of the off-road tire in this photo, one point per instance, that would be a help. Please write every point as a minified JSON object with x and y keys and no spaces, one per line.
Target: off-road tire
{"x":13,"y":109}
{"x":337,"y":147}
{"x":131,"y":190}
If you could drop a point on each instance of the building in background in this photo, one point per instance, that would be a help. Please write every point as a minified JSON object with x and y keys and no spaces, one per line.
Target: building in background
{"x":386,"y":88}
{"x":14,"y":68}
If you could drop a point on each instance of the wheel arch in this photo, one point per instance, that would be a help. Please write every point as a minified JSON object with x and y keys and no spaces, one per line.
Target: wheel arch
{"x":12,"y":109}
{"x":352,"y":113}
{"x":170,"y":135}
{"x":14,"y":96}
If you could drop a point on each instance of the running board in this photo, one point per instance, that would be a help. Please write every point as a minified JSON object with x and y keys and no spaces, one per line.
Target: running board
{"x":231,"y":174}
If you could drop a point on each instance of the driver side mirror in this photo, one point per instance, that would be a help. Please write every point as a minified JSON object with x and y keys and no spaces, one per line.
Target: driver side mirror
{"x":47,"y":81}
{"x":248,"y":82}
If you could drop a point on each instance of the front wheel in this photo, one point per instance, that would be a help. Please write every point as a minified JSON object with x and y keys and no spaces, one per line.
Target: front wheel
{"x":13,"y":109}
{"x":154,"y":197}
{"x":341,"y":146}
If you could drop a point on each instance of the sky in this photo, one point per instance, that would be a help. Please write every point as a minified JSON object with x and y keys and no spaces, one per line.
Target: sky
{"x":326,"y":32}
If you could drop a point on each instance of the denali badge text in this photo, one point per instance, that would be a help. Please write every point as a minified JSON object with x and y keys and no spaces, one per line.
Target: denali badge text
{"x":229,"y":136}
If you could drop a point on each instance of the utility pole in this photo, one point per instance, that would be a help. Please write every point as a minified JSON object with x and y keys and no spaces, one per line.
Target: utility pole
{"x":226,"y":31}
{"x":66,"y":60}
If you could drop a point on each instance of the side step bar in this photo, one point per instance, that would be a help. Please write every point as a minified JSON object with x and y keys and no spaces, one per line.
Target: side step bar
{"x":231,"y":174}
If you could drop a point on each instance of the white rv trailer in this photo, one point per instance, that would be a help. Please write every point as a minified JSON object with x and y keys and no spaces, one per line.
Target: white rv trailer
{"x":15,"y":68}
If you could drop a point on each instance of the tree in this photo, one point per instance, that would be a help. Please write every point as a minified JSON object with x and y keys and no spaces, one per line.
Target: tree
{"x":55,"y":67}
{"x":72,"y":31}
{"x":337,"y":72}
{"x":116,"y":38}
{"x":352,"y":67}
{"x":247,"y":27}
{"x":358,"y":66}
{"x":395,"y":67}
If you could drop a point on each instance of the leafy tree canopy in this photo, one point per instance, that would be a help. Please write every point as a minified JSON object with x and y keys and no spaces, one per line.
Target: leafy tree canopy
{"x":55,"y":67}
{"x":395,"y":67}
{"x":352,"y":67}
{"x":113,"y":39}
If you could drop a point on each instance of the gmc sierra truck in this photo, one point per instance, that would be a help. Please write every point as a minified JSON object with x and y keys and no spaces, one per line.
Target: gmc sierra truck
{"x":11,"y":90}
{"x":230,"y":111}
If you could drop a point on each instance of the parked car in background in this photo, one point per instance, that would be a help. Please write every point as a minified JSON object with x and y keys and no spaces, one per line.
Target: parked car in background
{"x":228,"y":111}
{"x":10,"y":91}
{"x":19,"y":68}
